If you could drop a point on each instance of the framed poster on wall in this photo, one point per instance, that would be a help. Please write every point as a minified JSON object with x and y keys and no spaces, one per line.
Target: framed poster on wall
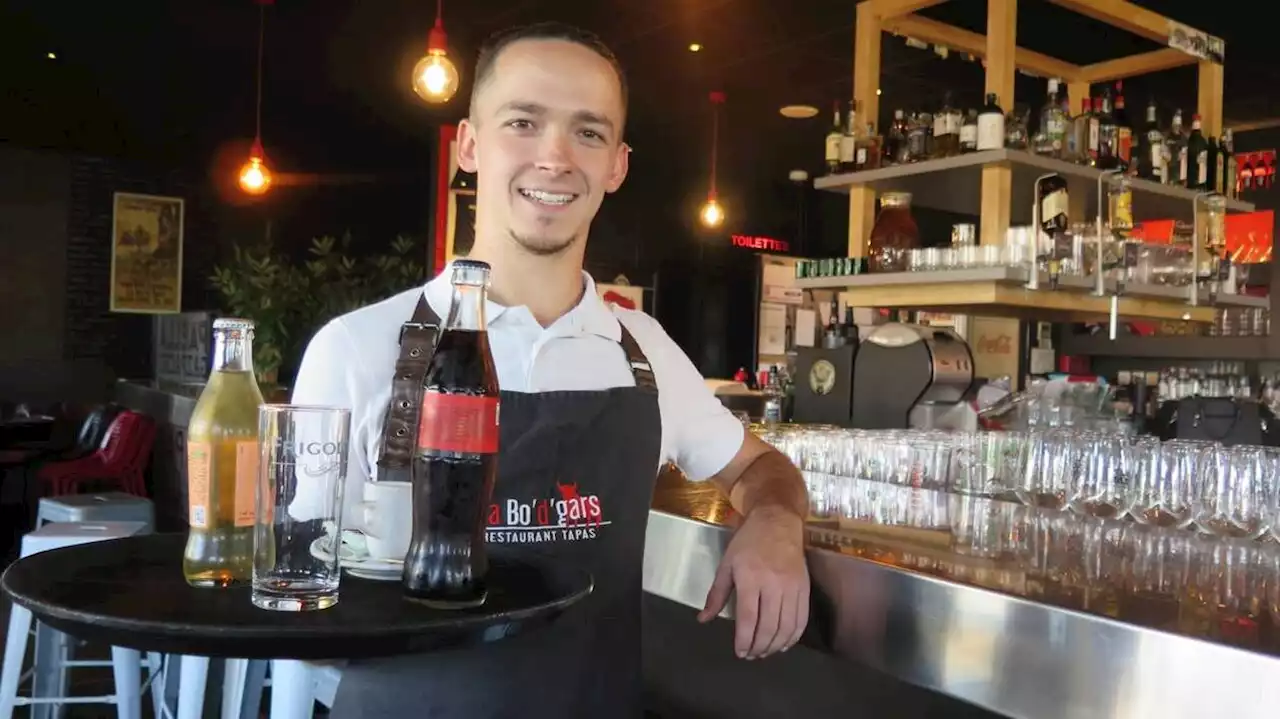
{"x":146,"y":254}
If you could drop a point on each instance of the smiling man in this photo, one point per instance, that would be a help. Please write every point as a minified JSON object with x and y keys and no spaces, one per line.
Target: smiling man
{"x":594,"y":401}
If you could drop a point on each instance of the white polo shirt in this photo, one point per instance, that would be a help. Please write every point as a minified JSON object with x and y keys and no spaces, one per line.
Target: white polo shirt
{"x":349,"y":363}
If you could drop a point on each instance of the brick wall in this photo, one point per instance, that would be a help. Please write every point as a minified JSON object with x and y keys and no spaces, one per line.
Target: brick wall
{"x":123,"y":341}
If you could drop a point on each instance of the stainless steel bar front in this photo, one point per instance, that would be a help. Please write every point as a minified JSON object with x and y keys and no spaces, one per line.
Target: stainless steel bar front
{"x":1012,"y":655}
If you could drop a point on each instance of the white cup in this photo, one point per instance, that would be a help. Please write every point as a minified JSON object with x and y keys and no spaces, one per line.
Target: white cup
{"x":386,"y":518}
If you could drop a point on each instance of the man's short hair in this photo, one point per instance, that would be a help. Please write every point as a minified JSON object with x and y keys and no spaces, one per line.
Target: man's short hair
{"x":499,"y":41}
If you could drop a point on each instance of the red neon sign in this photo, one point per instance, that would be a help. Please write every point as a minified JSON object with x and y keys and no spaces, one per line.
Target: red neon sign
{"x":752,"y":242}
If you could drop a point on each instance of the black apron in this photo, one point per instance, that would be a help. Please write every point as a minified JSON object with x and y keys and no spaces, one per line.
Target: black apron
{"x":576,"y":472}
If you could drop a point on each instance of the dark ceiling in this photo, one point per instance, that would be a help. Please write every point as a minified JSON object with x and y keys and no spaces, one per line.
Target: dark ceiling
{"x":174,"y":79}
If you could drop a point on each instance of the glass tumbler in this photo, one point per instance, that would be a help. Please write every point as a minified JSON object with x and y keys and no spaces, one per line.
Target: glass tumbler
{"x":299,"y":506}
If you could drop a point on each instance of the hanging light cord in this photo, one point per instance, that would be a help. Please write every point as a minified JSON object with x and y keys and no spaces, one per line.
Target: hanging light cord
{"x":439,"y":11}
{"x":262,"y":22}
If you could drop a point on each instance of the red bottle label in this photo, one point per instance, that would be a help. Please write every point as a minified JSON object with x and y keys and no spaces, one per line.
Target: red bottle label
{"x":461,"y":423}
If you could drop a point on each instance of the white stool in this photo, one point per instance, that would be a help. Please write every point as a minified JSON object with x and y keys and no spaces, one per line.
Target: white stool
{"x":296,"y":686}
{"x":49,"y":676}
{"x":125,"y":663}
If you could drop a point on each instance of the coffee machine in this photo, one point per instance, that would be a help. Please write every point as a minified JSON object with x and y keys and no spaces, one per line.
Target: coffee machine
{"x":912,"y":376}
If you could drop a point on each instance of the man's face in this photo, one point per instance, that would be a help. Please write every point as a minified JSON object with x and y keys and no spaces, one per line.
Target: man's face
{"x":543,"y":138}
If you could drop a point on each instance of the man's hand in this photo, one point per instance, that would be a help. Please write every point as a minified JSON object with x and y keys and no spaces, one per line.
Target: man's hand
{"x":765,"y":564}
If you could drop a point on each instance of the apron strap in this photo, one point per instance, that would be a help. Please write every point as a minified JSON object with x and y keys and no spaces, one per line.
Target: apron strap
{"x":640,"y":368}
{"x":417,"y":344}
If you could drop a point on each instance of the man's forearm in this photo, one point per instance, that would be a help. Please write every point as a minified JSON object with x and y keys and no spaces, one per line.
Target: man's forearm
{"x":771,"y":480}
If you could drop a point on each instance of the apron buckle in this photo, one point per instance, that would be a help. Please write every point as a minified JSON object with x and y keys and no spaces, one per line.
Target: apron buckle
{"x":414,"y":326}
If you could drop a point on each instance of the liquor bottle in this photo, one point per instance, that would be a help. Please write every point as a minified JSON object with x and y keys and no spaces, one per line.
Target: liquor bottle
{"x":773,"y":396}
{"x":1108,"y":133}
{"x":1213,"y":171}
{"x":917,"y":138}
{"x":896,"y":140}
{"x":849,"y":138}
{"x":991,"y":125}
{"x":1150,"y":158}
{"x":850,"y":327}
{"x":1124,"y":130}
{"x":1077,"y":140}
{"x":1053,"y":124}
{"x":1245,"y":183}
{"x":1227,"y":165}
{"x":222,"y":463}
{"x":1176,"y":141}
{"x":1054,"y":218}
{"x":866,"y":154}
{"x":946,"y":130}
{"x":833,"y":141}
{"x":1120,"y":206}
{"x":1197,"y":153}
{"x":456,"y":461}
{"x":969,"y":132}
{"x":1224,"y":173}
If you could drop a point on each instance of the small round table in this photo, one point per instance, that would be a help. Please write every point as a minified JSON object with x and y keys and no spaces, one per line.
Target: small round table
{"x":131,"y":593}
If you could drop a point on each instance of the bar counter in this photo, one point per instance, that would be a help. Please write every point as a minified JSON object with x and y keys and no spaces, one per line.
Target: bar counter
{"x":1020,"y":611}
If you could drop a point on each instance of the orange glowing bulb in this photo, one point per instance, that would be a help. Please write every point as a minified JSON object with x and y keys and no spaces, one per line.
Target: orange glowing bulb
{"x":712,"y":214}
{"x":255,"y":176}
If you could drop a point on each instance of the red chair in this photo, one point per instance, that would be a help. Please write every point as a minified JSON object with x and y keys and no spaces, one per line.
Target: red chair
{"x":119,"y":462}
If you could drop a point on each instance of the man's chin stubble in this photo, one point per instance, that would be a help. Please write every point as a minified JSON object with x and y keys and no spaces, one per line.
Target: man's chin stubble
{"x":544,"y":247}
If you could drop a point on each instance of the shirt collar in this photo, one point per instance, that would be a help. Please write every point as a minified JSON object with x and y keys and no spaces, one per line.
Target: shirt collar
{"x":591,"y":315}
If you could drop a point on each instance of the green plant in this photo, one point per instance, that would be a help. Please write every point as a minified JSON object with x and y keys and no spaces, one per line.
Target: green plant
{"x":288,"y":302}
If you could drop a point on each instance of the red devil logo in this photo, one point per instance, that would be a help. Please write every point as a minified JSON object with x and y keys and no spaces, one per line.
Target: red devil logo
{"x":577,"y":508}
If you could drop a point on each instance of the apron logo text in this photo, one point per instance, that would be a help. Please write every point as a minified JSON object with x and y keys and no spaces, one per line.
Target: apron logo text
{"x":570,"y":517}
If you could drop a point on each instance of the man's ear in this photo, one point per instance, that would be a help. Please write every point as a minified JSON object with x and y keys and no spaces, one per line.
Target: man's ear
{"x":467,"y":146}
{"x":621,"y":164}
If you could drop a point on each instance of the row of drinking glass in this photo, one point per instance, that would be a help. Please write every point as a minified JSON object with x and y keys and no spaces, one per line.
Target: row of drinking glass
{"x":1020,"y":548}
{"x":1227,"y":491}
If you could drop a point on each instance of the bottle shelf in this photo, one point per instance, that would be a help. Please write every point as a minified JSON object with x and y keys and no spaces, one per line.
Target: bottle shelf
{"x":1172,"y":348}
{"x":954,"y":184}
{"x":1001,"y":292}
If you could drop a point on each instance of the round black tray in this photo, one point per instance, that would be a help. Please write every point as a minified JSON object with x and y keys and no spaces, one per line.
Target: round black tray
{"x":130,"y":593}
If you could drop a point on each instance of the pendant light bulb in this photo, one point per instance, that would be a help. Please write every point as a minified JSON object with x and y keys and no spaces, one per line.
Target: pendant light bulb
{"x":255,"y":176}
{"x":435,"y":78}
{"x":712,"y":214}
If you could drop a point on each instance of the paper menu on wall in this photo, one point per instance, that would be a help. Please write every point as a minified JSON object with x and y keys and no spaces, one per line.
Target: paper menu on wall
{"x":773,"y":329}
{"x":778,"y":274}
{"x":806,"y":327}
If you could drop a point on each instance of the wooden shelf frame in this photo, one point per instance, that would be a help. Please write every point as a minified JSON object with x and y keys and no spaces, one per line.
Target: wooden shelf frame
{"x":1003,"y":58}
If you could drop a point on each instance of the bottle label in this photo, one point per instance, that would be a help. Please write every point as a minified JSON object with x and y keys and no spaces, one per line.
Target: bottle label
{"x":1124,"y":144}
{"x":1219,"y":179}
{"x":833,"y":148}
{"x":990,"y":131}
{"x":846,"y":149}
{"x":199,"y":469}
{"x":462,"y":423}
{"x":1182,"y":165}
{"x":940,"y":125}
{"x":1093,"y":137}
{"x":248,"y":461}
{"x":1157,"y":161}
{"x":969,"y":135}
{"x":1053,"y":205}
{"x":1122,"y":210}
{"x":861,"y":157}
{"x":1202,"y":167}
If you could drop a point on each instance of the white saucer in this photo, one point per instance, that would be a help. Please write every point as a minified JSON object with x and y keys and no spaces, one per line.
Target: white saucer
{"x":355,"y":559}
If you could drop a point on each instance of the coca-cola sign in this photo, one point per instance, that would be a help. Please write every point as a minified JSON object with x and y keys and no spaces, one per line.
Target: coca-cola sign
{"x":755,"y":242}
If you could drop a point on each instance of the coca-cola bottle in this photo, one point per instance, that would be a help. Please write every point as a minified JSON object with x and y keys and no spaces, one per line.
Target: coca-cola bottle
{"x":456,"y":461}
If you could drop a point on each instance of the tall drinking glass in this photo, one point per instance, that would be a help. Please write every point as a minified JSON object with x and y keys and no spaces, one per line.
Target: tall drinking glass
{"x":299,"y":506}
